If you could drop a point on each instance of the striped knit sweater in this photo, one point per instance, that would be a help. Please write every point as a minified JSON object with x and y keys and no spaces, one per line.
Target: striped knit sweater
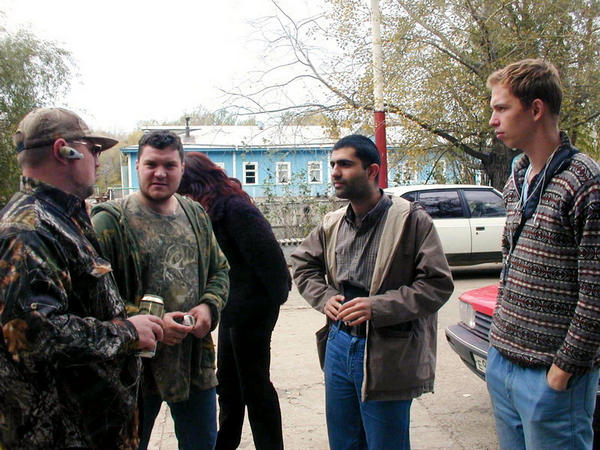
{"x":548,"y":308}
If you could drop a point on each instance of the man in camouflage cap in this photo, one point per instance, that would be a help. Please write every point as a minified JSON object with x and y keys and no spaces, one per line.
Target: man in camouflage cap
{"x":68,"y":369}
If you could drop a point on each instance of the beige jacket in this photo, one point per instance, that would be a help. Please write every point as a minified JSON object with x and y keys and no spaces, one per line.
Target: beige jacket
{"x":411,"y":281}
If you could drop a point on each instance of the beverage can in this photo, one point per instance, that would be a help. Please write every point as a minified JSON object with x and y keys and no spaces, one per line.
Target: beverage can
{"x":154,"y":305}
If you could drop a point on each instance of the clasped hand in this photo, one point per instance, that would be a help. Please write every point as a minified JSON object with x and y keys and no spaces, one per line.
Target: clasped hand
{"x":353,"y":312}
{"x":175,"y":331}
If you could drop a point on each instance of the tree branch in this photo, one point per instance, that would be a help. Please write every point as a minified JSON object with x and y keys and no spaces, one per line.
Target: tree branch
{"x":439,"y":132}
{"x":447,"y":47}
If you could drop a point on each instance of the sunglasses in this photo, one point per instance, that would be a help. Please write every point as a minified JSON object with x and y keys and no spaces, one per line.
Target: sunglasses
{"x":94,"y":149}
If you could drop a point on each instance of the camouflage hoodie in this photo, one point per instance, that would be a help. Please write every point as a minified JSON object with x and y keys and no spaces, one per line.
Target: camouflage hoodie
{"x":176,"y":373}
{"x":68,"y":374}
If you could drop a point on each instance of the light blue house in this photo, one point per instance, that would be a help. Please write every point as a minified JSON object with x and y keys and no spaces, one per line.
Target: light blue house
{"x":277,"y":161}
{"x":286,"y":160}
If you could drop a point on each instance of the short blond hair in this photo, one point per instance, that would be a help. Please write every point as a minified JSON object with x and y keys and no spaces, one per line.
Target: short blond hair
{"x":530,"y":79}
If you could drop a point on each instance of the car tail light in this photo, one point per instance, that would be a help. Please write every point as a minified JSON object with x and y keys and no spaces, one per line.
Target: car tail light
{"x":467,"y":314}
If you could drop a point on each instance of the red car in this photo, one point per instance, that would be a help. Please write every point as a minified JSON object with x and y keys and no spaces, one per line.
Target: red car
{"x":470,"y":336}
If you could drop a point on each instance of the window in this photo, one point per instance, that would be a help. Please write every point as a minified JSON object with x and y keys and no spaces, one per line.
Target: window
{"x":410,"y":196}
{"x":442,"y":166}
{"x":282,"y":172}
{"x":441,"y":204}
{"x":315,"y":173}
{"x":438,"y":172}
{"x":484,"y":203}
{"x":408,"y":173}
{"x":480,"y":177}
{"x":250,"y":173}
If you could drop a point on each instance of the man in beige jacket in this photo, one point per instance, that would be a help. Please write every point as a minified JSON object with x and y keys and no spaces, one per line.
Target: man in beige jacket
{"x":377,"y":270}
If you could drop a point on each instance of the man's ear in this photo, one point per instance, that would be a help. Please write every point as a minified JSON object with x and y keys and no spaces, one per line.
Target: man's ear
{"x":373,"y":171}
{"x":56,"y":153}
{"x":538,"y":109}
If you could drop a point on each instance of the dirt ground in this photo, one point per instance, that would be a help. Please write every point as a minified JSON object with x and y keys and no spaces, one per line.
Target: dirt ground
{"x":457,"y":416}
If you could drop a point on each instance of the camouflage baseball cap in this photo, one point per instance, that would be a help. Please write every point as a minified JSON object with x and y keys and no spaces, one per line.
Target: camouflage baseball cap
{"x":44,"y":125}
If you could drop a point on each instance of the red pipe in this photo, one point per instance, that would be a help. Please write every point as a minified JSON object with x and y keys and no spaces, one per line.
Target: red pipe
{"x":380,"y":142}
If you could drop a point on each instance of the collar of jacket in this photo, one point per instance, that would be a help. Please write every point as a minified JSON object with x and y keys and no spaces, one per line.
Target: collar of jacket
{"x":69,"y":204}
{"x":561,"y":159}
{"x":390,"y":239}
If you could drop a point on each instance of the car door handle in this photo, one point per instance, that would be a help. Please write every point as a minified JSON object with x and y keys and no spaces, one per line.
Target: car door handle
{"x":479,"y":228}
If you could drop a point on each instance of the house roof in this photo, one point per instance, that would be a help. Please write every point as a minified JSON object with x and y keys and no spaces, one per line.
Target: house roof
{"x":252,"y":136}
{"x":236,"y":137}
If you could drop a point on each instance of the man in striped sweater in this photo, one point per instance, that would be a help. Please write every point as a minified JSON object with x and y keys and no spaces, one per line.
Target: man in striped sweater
{"x":543,"y":362}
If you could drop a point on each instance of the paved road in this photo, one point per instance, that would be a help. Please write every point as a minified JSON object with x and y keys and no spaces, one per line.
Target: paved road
{"x":456,"y":416}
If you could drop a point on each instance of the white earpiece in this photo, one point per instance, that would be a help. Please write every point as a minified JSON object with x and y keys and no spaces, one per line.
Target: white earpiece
{"x":70,"y":153}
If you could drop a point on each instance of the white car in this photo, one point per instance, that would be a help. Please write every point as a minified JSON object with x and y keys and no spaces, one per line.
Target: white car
{"x":469,"y":219}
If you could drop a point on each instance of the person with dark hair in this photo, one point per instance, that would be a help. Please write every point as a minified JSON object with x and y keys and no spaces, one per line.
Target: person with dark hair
{"x":160,"y":140}
{"x":260,"y":282}
{"x":69,"y":369}
{"x":543,"y":362}
{"x":161,"y":243}
{"x":364,"y":148}
{"x":377,"y":270}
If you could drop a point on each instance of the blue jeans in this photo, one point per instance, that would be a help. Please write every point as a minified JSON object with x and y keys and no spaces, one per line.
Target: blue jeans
{"x":530,"y":414}
{"x":352,"y":423}
{"x":195,"y":420}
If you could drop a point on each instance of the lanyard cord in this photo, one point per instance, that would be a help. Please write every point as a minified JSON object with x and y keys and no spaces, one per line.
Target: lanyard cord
{"x":525,"y":197}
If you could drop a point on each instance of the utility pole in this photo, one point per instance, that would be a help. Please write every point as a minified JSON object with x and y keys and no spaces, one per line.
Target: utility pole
{"x":380,"y":139}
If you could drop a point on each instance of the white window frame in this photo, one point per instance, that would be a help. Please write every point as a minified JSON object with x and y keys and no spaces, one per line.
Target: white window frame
{"x":288,"y":170}
{"x":479,"y":177}
{"x":406,"y":169}
{"x":319,"y":168}
{"x":443,"y":166}
{"x":255,"y":170}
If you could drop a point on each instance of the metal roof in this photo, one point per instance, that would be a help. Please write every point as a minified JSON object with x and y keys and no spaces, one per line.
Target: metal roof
{"x":252,"y":136}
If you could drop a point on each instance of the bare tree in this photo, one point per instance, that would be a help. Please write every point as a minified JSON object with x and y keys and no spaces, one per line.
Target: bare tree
{"x":437,"y":58}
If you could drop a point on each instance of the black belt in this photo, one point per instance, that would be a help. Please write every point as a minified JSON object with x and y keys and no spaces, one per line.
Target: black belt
{"x":349,"y":292}
{"x":356,"y":330}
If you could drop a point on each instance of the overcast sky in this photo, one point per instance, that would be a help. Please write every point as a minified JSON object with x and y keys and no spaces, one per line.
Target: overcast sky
{"x":148,"y":59}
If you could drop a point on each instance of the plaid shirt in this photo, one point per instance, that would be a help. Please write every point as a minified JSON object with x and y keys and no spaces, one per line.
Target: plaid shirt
{"x":357,"y":244}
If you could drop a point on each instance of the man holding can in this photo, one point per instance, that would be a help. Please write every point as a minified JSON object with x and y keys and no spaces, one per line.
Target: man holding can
{"x":68,"y":364}
{"x":162,"y":244}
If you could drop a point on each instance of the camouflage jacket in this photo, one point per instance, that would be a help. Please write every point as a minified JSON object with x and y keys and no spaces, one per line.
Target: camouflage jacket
{"x":192,"y":366}
{"x":68,"y":374}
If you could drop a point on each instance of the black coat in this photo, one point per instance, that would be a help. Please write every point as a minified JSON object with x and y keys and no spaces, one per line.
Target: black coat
{"x":259,"y":277}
